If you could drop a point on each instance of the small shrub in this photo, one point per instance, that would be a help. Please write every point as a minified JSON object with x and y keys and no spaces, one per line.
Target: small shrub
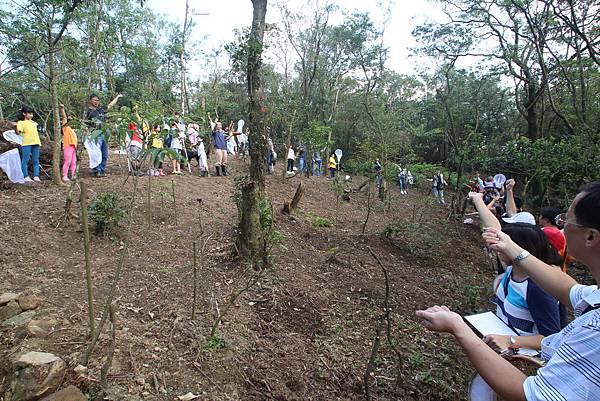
{"x":277,"y":237}
{"x":107,"y":211}
{"x":321,"y":222}
{"x":213,"y":344}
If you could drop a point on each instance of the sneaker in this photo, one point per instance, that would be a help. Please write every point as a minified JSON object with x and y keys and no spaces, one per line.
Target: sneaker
{"x":66,"y":179}
{"x":37,"y":179}
{"x":28,"y":179}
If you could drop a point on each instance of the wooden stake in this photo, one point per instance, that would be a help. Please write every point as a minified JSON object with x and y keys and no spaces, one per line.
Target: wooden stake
{"x":86,"y":252}
{"x":195,"y":282}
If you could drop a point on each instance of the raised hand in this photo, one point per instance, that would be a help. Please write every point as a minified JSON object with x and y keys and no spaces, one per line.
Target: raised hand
{"x":500,"y":242}
{"x":510,"y":184}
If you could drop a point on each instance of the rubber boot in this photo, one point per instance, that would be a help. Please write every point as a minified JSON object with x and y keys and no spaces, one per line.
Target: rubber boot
{"x":218,"y":170}
{"x":224,"y":170}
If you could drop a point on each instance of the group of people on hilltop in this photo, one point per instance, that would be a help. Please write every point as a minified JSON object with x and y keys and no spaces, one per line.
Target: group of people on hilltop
{"x":299,"y":153}
{"x":531,"y":292}
{"x":185,"y":143}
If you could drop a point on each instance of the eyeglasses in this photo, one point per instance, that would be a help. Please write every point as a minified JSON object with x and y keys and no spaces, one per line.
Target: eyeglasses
{"x":561,"y":220}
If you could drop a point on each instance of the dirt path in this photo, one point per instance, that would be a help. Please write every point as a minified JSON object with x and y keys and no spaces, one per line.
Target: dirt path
{"x":303,"y":332}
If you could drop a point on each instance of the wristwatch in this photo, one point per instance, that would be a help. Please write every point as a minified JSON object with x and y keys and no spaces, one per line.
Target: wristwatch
{"x":521,"y":256}
{"x":513,"y":341}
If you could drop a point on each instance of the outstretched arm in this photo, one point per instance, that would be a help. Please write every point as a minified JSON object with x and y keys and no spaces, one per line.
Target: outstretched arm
{"x":485,"y":215}
{"x":511,"y":207}
{"x":63,"y":115}
{"x":551,"y":280}
{"x":114,"y":101}
{"x":504,"y":378}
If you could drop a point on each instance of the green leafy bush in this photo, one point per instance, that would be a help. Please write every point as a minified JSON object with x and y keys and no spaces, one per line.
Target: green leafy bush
{"x":321,"y":222}
{"x":107,"y":211}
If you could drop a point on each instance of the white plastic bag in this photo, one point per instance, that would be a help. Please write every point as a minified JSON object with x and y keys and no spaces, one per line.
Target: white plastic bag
{"x":94,"y":152}
{"x":10,"y":163}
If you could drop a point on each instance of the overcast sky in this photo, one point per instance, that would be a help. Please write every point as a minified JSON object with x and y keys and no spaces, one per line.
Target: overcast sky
{"x":216,"y":29}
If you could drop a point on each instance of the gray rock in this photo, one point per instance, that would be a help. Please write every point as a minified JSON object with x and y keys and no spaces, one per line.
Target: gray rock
{"x":9,"y":310}
{"x":37,"y":380}
{"x":19,"y":320}
{"x":35,"y":358}
{"x":40,"y":328}
{"x":7,"y":297}
{"x":70,"y":393}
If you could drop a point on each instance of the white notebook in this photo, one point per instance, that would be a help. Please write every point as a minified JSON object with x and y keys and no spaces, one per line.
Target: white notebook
{"x":488,"y":323}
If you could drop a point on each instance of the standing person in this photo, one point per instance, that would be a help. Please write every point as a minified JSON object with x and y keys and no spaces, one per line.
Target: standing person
{"x":271,"y":156}
{"x":317,"y":162}
{"x":177,"y":137}
{"x":136,"y":144}
{"x":291,"y":156}
{"x":378,"y":169}
{"x":202,"y":160}
{"x":95,"y":119}
{"x":157,"y":143}
{"x":332,"y":165}
{"x":438,"y":187}
{"x":30,"y":148}
{"x":220,"y":149}
{"x":402,"y":181}
{"x":302,"y":160}
{"x":69,"y":146}
{"x":572,"y":359}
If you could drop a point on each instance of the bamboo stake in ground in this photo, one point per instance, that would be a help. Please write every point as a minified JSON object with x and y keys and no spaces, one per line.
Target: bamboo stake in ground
{"x":195,"y":283}
{"x":111,"y":293}
{"x":86,"y":252}
{"x":364,"y":226}
{"x":174,"y":204}
{"x":149,"y":211}
{"x":111,"y":349}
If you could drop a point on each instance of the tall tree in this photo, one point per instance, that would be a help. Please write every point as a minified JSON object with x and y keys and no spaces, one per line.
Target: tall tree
{"x":252,"y":230}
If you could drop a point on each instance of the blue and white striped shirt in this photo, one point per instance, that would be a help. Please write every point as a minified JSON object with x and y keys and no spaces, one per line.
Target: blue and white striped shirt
{"x":573,"y":369}
{"x":525,"y":307}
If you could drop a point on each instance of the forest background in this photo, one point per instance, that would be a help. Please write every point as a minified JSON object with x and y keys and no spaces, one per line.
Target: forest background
{"x":525,"y":104}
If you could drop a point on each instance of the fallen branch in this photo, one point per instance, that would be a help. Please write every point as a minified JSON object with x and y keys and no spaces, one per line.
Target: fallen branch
{"x":234,"y":296}
{"x":387,"y":315}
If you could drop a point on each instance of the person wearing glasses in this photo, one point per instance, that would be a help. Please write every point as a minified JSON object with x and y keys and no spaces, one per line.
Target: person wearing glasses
{"x":572,"y":370}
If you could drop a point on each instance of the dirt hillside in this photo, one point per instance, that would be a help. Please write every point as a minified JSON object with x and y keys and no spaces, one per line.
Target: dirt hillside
{"x":303,"y":331}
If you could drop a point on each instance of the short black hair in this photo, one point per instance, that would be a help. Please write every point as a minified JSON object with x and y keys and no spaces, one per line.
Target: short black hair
{"x":550,"y":213}
{"x":22,"y":111}
{"x":93,"y":95}
{"x":587,"y":210}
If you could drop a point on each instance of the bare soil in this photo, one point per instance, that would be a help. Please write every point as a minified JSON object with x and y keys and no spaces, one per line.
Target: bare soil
{"x":304,"y":331}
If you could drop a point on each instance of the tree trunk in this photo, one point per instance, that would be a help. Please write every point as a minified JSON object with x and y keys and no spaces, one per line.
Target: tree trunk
{"x":251,"y":233}
{"x":56,"y":131}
